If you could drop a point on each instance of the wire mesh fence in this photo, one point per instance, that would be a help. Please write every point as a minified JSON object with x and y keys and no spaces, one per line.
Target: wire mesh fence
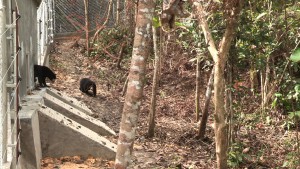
{"x":70,"y":15}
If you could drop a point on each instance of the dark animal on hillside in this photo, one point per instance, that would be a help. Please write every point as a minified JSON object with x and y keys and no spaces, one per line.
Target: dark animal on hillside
{"x":86,"y":84}
{"x":41,"y":72}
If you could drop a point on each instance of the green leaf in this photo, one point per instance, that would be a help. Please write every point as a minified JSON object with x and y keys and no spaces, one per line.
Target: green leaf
{"x":295,"y":57}
{"x":156,"y":22}
{"x":294,"y":114}
{"x":285,"y":164}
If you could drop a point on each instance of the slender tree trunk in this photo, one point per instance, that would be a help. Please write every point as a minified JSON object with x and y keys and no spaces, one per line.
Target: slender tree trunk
{"x":197,"y":99}
{"x":118,"y":13}
{"x":154,"y":87}
{"x":262,"y":90}
{"x":231,"y":11}
{"x":253,"y":77}
{"x":229,"y":101}
{"x":121,"y":54}
{"x":275,"y":85}
{"x":133,"y":98}
{"x":124,"y":89}
{"x":87,"y":25}
{"x":267,"y":80}
{"x":201,"y":132}
{"x":130,"y":9}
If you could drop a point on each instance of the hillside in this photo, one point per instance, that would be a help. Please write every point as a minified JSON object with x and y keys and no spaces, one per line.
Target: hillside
{"x":261,"y":144}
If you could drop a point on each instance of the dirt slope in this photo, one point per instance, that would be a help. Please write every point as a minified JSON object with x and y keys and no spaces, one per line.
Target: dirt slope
{"x":174,"y":144}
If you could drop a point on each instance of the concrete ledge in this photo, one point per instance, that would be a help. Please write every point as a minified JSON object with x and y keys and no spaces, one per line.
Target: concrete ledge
{"x":69,"y":100}
{"x":76,"y":115}
{"x":7,"y":165}
{"x":62,"y":136}
{"x":30,"y":134}
{"x":63,"y":128}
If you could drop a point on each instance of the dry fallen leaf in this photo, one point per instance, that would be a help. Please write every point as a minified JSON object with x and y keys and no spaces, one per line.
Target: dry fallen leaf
{"x":246,"y":150}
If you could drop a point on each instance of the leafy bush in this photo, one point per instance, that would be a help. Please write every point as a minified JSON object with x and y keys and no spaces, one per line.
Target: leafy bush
{"x":110,"y":41}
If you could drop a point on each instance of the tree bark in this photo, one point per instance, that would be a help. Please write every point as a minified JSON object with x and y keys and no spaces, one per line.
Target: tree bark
{"x":253,"y":77}
{"x":229,"y":108}
{"x":197,"y":99}
{"x":220,"y":126}
{"x":267,"y":80}
{"x":121,"y":54}
{"x":154,"y":85}
{"x":129,"y":18}
{"x":118,"y":13}
{"x":202,"y":127}
{"x":133,"y":99}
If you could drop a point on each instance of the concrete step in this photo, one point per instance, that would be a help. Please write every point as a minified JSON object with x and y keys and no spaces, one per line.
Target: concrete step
{"x":56,"y":125}
{"x":78,"y":116}
{"x":69,"y":100}
{"x":62,"y":136}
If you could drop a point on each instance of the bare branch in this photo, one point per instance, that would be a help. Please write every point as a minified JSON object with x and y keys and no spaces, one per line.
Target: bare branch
{"x":199,"y":10}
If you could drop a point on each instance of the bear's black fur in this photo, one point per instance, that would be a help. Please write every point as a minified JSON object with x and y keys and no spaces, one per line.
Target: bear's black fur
{"x":41,"y":72}
{"x":86,"y":84}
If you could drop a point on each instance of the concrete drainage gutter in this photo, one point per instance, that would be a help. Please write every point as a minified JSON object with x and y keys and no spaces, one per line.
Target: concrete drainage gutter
{"x":55,"y":125}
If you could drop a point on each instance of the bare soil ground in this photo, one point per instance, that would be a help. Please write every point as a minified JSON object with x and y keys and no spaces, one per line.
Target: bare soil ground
{"x":175,"y":144}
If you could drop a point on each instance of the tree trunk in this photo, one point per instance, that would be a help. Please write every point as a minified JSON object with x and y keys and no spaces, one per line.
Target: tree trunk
{"x":197,"y":99}
{"x":267,"y":80}
{"x":121,"y":54}
{"x":231,"y":12}
{"x":129,"y":18}
{"x":202,"y":127}
{"x":253,"y":77}
{"x":229,"y":107}
{"x":154,"y":85}
{"x":87,"y":25}
{"x":262,"y":82}
{"x":275,"y":85}
{"x":133,"y":98}
{"x":118,"y":13}
{"x":220,"y":122}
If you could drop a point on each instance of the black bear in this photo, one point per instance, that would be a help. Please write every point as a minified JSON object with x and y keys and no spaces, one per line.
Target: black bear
{"x":86,"y":84}
{"x":41,"y":72}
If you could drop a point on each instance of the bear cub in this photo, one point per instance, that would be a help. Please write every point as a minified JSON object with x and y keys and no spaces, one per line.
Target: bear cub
{"x":87,"y":84}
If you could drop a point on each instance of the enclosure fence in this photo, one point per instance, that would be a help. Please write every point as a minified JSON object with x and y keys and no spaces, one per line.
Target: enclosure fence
{"x":70,"y":18}
{"x":46,"y":24}
{"x":10,"y":80}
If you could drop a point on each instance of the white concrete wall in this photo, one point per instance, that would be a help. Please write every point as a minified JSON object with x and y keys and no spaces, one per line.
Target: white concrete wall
{"x":27,"y":41}
{"x":28,"y":56}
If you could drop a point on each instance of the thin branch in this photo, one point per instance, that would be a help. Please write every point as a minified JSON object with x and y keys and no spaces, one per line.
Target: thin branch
{"x":105,"y":22}
{"x":198,"y":8}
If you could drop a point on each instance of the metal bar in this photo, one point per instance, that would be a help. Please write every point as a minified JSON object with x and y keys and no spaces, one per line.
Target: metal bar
{"x":17,"y":87}
{"x":3,"y":117}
